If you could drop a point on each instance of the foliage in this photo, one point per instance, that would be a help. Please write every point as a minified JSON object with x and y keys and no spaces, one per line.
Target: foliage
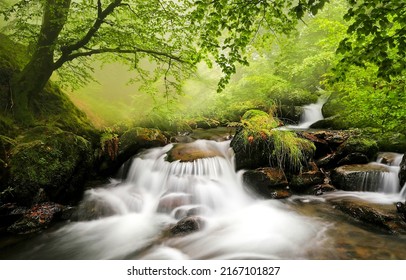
{"x":377,"y":35}
{"x":364,"y":100}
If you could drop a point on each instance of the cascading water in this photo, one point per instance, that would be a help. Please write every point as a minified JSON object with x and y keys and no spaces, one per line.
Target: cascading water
{"x":157,"y":193}
{"x":385,"y":176}
{"x":311,"y":113}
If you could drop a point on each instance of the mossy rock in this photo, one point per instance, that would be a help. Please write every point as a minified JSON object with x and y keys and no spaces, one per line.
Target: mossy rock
{"x":131,"y":142}
{"x":140,"y":137}
{"x":258,"y":144}
{"x":50,"y":159}
{"x":359,"y":144}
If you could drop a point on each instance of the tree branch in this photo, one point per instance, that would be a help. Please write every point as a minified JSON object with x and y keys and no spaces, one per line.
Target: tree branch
{"x":101,"y":16}
{"x":135,"y":50}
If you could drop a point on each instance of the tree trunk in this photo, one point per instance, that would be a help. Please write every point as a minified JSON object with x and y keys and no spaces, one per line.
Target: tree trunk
{"x":37,"y":72}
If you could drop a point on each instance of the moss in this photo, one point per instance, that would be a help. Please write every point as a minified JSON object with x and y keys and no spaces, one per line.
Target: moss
{"x":257,"y":144}
{"x":50,"y":159}
{"x":359,"y":144}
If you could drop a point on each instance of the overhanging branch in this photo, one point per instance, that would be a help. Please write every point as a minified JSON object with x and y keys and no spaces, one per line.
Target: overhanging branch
{"x":90,"y":52}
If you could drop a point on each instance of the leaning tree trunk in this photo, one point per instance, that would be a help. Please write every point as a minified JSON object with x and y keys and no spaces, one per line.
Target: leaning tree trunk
{"x":27,"y":84}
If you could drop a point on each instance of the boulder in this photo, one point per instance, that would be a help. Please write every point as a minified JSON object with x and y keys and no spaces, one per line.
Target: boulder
{"x":268,"y":182}
{"x":381,"y":216}
{"x":50,"y":161}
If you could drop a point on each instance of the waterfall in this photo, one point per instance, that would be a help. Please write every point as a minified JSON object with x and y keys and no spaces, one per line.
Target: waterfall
{"x":311,"y":113}
{"x":126,"y":219}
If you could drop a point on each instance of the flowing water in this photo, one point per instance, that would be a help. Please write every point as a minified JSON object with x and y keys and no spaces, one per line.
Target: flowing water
{"x":311,"y":114}
{"x":127,"y":219}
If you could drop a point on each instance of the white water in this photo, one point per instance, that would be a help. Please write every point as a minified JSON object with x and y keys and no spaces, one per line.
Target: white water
{"x":384,"y":181}
{"x":157,"y":193}
{"x":311,"y":113}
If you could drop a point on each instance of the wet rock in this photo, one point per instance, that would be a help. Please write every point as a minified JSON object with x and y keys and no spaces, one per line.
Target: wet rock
{"x":267,"y":182}
{"x":186,"y":226}
{"x":353,"y":158}
{"x":49,"y":164}
{"x":381,"y":216}
{"x":190,"y":152}
{"x":321,"y":189}
{"x":402,"y":171}
{"x":303,"y":181}
{"x":352,"y":177}
{"x":38,"y":217}
{"x":333,"y":138}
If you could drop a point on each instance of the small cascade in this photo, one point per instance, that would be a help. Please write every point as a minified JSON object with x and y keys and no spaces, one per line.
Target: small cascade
{"x":383,"y":175}
{"x":311,"y":113}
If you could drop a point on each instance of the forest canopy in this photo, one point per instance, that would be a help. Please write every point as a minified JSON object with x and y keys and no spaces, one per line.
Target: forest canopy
{"x":353,"y":49}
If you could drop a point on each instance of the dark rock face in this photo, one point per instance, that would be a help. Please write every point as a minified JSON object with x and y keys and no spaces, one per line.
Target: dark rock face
{"x":353,"y":158}
{"x":267,"y":182}
{"x":51,"y":160}
{"x":186,"y":226}
{"x":384,"y":217}
{"x":402,"y":172}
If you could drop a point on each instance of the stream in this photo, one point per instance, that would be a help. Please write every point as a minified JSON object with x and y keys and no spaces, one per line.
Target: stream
{"x":128,"y":218}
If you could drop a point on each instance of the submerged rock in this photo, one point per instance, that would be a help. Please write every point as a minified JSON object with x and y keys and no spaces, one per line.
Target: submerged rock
{"x":186,"y":226}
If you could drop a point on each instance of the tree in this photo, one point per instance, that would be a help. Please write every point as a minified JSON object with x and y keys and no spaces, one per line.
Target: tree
{"x":173,"y":35}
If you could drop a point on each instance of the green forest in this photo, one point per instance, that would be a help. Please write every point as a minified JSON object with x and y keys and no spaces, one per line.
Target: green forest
{"x":85,"y":85}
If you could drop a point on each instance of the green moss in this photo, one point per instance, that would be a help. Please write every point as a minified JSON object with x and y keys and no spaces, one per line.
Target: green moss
{"x":49,"y":158}
{"x":257,"y":144}
{"x":291,"y":152}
